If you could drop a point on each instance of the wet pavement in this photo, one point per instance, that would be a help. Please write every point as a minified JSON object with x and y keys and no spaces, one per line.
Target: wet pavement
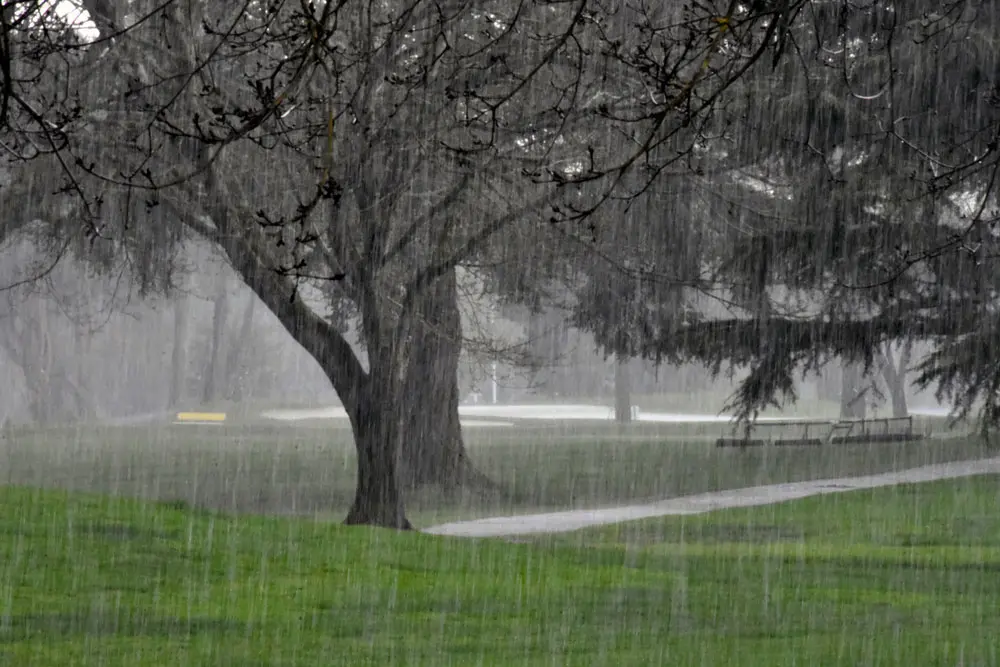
{"x":560,"y":522}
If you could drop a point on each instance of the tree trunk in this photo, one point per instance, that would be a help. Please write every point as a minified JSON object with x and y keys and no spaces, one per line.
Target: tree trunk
{"x":828,"y":384}
{"x":433,"y":451}
{"x":378,"y":499}
{"x":178,"y":360}
{"x":895,"y":379}
{"x":234,"y":357}
{"x":564,"y":382}
{"x":541,"y":370}
{"x":433,"y":431}
{"x":83,"y":395}
{"x":213,"y":374}
{"x":52,"y":374}
{"x":853,"y":403}
{"x":38,"y":366}
{"x":623,"y":391}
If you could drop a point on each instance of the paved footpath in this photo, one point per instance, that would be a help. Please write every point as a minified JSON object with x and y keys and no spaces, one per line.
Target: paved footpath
{"x":561,"y":522}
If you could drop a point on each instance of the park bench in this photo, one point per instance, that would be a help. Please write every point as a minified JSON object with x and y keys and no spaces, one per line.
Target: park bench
{"x":817,"y":432}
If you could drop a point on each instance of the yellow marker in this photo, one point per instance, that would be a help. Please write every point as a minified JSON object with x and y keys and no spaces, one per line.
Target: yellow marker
{"x":201,"y":416}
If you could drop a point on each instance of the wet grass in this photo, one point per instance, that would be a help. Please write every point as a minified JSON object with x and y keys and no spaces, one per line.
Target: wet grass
{"x":309,"y":470}
{"x":896,"y":576}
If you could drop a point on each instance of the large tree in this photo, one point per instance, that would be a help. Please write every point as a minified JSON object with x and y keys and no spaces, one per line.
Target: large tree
{"x":855,"y":205}
{"x":358,"y":152}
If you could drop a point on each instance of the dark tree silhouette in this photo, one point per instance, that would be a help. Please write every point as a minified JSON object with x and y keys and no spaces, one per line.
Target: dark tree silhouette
{"x":358,"y":152}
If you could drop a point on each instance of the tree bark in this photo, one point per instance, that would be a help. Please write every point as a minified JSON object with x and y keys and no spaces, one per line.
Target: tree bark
{"x":853,"y":403}
{"x":214,"y":372}
{"x":895,"y":378}
{"x":178,"y":360}
{"x":54,"y":377}
{"x":623,"y":391}
{"x":828,"y":383}
{"x":237,"y":348}
{"x":378,"y":498}
{"x":541,"y":369}
{"x":37,"y":360}
{"x":564,"y":382}
{"x":433,"y":451}
{"x":83,"y":395}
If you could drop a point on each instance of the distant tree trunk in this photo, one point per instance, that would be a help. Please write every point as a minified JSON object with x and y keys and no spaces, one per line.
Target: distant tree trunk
{"x":237,"y":349}
{"x":623,"y":391}
{"x":213,"y":373}
{"x":828,"y":383}
{"x":86,"y":406}
{"x":894,"y":373}
{"x":29,"y":343}
{"x":541,"y":371}
{"x":52,"y":373}
{"x":853,"y":403}
{"x":178,"y":360}
{"x":433,"y":451}
{"x":560,"y":348}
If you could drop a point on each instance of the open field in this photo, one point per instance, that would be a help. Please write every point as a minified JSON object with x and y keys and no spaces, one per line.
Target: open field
{"x":897,"y":576}
{"x":280,"y":468}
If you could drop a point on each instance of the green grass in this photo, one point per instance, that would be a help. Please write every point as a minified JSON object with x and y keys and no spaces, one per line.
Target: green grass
{"x":898,"y":576}
{"x":309,"y":470}
{"x":90,"y":580}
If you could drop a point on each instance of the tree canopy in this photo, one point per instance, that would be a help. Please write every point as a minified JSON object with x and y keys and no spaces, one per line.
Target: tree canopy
{"x":347,"y":157}
{"x":851,"y":200}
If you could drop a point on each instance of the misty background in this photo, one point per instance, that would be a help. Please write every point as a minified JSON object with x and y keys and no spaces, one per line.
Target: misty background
{"x":82,"y":347}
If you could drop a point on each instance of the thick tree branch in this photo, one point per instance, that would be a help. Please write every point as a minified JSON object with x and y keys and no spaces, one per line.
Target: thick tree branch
{"x":473,"y":244}
{"x":234,"y":232}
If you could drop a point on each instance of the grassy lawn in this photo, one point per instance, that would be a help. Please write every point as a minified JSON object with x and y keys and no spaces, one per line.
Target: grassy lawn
{"x":309,"y":470}
{"x":898,"y":576}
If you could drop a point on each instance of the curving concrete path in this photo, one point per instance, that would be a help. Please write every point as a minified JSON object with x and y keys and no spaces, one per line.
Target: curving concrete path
{"x":561,"y":522}
{"x":496,"y":415}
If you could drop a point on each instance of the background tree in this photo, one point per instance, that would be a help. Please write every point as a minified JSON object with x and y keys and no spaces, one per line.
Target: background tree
{"x":861,"y":210}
